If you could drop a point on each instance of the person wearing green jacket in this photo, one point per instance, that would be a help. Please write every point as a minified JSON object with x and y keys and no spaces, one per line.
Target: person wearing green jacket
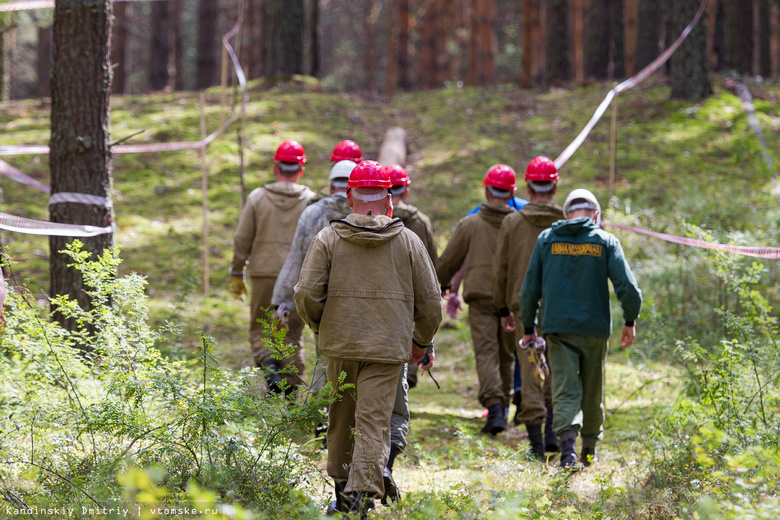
{"x":569,"y":269}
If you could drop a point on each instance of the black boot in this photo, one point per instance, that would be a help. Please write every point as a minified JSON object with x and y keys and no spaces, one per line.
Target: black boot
{"x":272,"y":378}
{"x":589,"y":455}
{"x":496,"y":420}
{"x":391,"y":490}
{"x":568,"y":454}
{"x":550,"y":440}
{"x":537,"y":443}
{"x":359,"y":503}
{"x":337,"y":505}
{"x":517,"y":400}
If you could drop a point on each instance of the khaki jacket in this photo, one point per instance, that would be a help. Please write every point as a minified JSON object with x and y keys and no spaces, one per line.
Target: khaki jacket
{"x":418,"y":222}
{"x":368,"y":288}
{"x":474,"y":241}
{"x":266,"y":227}
{"x":516,"y":241}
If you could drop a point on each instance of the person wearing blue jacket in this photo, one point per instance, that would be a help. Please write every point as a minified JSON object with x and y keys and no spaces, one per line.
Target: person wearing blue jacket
{"x":569,"y":269}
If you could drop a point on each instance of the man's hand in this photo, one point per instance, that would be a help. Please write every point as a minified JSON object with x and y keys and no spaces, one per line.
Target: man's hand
{"x":418,"y":353}
{"x":429,"y":365}
{"x":529,"y":338}
{"x":453,"y":305}
{"x":627,"y":338}
{"x":237,"y":287}
{"x":508,"y":322}
{"x":282,"y":313}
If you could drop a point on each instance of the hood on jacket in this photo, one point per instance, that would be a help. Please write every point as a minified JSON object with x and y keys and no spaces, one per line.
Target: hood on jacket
{"x":367,"y":231}
{"x":286,"y":195}
{"x":575,"y":227}
{"x":494,"y":213}
{"x":334,"y":207}
{"x":542,"y":214}
{"x":404,"y":211}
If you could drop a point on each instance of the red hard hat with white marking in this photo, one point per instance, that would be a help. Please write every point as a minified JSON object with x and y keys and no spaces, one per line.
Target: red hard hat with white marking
{"x":290,"y":152}
{"x":541,"y":169}
{"x":502,"y":177}
{"x":347,"y":151}
{"x":369,"y":174}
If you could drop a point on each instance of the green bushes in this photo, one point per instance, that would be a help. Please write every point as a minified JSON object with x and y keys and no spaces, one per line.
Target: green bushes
{"x":86,"y":410}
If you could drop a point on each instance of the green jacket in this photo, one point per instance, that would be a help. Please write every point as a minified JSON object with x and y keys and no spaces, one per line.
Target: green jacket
{"x":368,"y":288}
{"x":419,"y":223}
{"x":569,"y":268}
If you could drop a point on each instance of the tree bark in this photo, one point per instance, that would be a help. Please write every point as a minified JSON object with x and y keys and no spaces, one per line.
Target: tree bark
{"x":618,"y":46}
{"x":207,"y":73}
{"x":5,"y":24}
{"x":648,"y":33}
{"x":160,"y":45}
{"x":120,"y":44}
{"x":597,"y":40}
{"x":80,"y":157}
{"x":764,"y":39}
{"x":44,"y":61}
{"x":482,"y":63}
{"x":738,"y":35}
{"x":558,"y":63}
{"x":370,"y":19}
{"x":178,"y":45}
{"x":404,"y":25}
{"x":432,"y":25}
{"x":689,"y":65}
{"x":283,"y":28}
{"x":314,"y":39}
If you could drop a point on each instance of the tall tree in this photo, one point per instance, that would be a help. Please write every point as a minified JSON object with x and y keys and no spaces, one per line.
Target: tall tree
{"x":80,"y":157}
{"x":689,"y":65}
{"x":484,"y":46}
{"x":738,"y":35}
{"x":430,"y":45}
{"x":283,"y":31}
{"x":160,"y":45}
{"x":207,"y":73}
{"x":313,"y":47}
{"x":558,"y":63}
{"x":403,"y":61}
{"x":764,"y":39}
{"x":648,"y":32}
{"x":618,"y":44}
{"x":44,"y":60}
{"x":178,"y":45}
{"x":597,"y":39}
{"x":370,"y":20}
{"x":6,"y":22}
{"x":120,"y":47}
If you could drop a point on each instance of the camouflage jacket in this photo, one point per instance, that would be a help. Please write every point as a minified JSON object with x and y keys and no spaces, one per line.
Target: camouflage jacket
{"x":313,"y":219}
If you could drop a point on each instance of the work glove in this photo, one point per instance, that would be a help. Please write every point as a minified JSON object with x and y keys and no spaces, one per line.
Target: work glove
{"x":535,"y":352}
{"x":453,"y":305}
{"x":237,"y":287}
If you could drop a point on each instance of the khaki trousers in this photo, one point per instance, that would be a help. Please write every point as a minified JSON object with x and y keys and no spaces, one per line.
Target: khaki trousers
{"x":262,"y":288}
{"x":359,"y":423}
{"x":577,"y":363}
{"x":537,"y":395}
{"x":494,"y":354}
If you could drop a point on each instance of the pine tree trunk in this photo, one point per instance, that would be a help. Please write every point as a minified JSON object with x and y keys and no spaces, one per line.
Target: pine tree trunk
{"x":160,"y":45}
{"x":178,"y":45}
{"x":44,"y":61}
{"x":558,"y":63}
{"x":597,"y":40}
{"x":764,"y":39}
{"x":80,"y":158}
{"x":120,"y":42}
{"x":738,"y":21}
{"x":689,"y":65}
{"x":428,"y":64}
{"x":482,"y":63}
{"x":314,"y":39}
{"x":618,"y":40}
{"x":369,"y":50}
{"x":530,"y":16}
{"x":648,"y":33}
{"x":283,"y":27}
{"x":5,"y":24}
{"x":404,"y":24}
{"x":208,"y":48}
{"x":719,"y":37}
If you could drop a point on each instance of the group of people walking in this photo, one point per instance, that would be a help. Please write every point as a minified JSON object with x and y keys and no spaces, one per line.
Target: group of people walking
{"x":360,"y":268}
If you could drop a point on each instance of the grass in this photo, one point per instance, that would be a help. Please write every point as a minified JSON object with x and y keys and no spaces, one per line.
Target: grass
{"x":677,"y":163}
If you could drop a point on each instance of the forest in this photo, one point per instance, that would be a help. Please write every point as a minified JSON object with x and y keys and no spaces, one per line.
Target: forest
{"x":128,"y":386}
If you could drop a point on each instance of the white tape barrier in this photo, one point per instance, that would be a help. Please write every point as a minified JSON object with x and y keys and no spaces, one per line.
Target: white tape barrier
{"x":627,"y":84}
{"x":40,"y":227}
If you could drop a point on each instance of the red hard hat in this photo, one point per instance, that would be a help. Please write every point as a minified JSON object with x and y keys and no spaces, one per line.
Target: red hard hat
{"x":369,"y":174}
{"x":541,"y":169}
{"x":398,"y":175}
{"x":291,"y":152}
{"x":347,"y":151}
{"x":502,"y":177}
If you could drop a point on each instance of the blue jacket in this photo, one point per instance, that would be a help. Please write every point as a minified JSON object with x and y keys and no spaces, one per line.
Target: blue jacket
{"x":569,"y":269}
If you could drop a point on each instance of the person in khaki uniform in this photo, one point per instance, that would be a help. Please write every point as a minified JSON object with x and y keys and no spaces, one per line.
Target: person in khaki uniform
{"x":261,"y":243}
{"x":474,"y":242}
{"x":516,"y":241}
{"x":368,"y":288}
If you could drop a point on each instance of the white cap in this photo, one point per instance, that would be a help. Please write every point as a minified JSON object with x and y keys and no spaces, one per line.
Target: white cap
{"x":341,"y":170}
{"x":581,"y":194}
